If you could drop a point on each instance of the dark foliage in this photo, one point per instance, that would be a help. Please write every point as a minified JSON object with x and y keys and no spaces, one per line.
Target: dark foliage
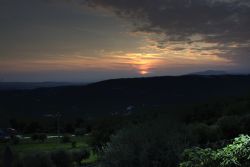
{"x":66,"y":138}
{"x":103,"y":129}
{"x":80,"y":155}
{"x":39,"y":137}
{"x":37,"y":160}
{"x":73,"y":144}
{"x":8,"y":157}
{"x":150,"y":144}
{"x":61,"y":158}
{"x":15,"y":140}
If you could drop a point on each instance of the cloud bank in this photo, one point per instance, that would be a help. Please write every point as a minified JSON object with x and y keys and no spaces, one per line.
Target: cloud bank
{"x":223,"y":23}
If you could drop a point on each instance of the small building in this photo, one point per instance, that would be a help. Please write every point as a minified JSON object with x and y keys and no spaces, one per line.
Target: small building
{"x":3,"y":135}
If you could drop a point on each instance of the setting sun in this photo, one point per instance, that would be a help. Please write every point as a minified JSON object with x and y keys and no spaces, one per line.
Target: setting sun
{"x":144,"y":72}
{"x":143,"y":63}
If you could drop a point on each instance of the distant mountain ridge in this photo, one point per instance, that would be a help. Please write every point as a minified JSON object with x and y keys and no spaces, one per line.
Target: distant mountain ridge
{"x":210,"y":72}
{"x":34,"y":85}
{"x":115,"y":96}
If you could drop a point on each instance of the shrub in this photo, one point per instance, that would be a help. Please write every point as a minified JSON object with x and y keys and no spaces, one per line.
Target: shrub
{"x":202,"y":133}
{"x":230,"y":126}
{"x":17,"y":161}
{"x":99,"y":138}
{"x":66,"y":139}
{"x":7,"y":157}
{"x":80,"y":131}
{"x":37,"y":160}
{"x":102,"y":130}
{"x":15,"y":140}
{"x":39,"y":136}
{"x":61,"y":158}
{"x":235,"y":154}
{"x":144,"y":146}
{"x":42,"y":137}
{"x":73,"y":144}
{"x":34,"y":137}
{"x":246,"y":124}
{"x":198,"y":157}
{"x":80,"y":155}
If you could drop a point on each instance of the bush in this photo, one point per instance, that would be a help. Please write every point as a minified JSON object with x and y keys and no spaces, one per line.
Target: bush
{"x":42,"y":137}
{"x":61,"y":158}
{"x":246,"y":124}
{"x":66,"y":139}
{"x":198,"y":157}
{"x":230,"y":126}
{"x":99,"y":138}
{"x":235,"y":154}
{"x":73,"y":144}
{"x":202,"y":133}
{"x":39,"y":136}
{"x":144,"y":146}
{"x":17,"y":161}
{"x":80,"y":155}
{"x":15,"y":140}
{"x":7,"y":157}
{"x":102,"y":130}
{"x":80,"y":131}
{"x":34,"y":137}
{"x":37,"y":160}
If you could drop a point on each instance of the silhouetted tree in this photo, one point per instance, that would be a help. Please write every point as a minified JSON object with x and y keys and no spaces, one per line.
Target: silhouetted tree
{"x":80,"y":155}
{"x":33,"y":127}
{"x":61,"y":158}
{"x":7,"y":157}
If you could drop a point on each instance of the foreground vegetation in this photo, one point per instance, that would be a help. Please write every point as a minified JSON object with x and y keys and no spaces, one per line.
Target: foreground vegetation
{"x":205,"y":135}
{"x":67,"y":151}
{"x":235,"y":154}
{"x":208,"y":136}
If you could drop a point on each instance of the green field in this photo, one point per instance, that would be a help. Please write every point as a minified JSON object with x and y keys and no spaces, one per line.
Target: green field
{"x":28,"y":146}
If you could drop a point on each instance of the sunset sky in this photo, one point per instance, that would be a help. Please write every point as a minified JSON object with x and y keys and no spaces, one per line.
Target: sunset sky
{"x":91,"y":40}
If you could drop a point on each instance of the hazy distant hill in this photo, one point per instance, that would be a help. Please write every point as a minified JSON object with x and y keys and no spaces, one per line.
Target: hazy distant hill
{"x":210,"y":72}
{"x":121,"y":95}
{"x":33,"y":85}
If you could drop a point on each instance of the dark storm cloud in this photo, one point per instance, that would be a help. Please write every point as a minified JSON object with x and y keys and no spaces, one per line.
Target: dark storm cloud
{"x":178,"y":19}
{"x":225,"y":22}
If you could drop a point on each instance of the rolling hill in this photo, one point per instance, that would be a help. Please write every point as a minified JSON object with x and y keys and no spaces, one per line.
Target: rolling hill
{"x":120,"y":96}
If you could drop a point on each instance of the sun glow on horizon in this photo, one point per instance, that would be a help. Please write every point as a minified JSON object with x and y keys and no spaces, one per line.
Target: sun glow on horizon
{"x":143,"y":72}
{"x":146,"y":62}
{"x":143,"y":62}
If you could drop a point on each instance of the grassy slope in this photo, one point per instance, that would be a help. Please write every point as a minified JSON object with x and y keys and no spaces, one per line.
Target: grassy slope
{"x":27,"y":146}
